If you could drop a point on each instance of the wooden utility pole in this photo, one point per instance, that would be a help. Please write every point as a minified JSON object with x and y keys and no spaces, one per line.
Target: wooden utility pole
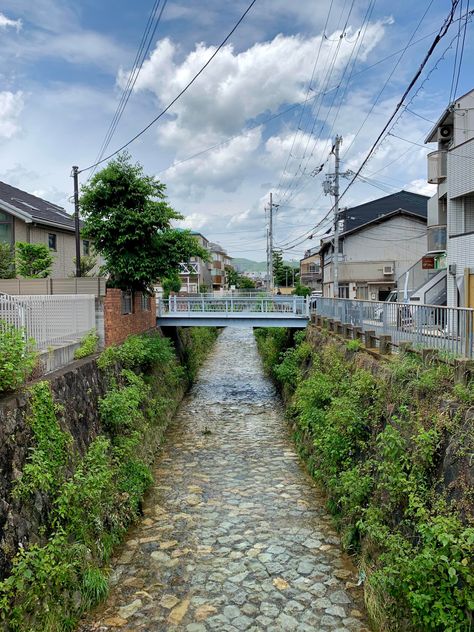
{"x":77,"y":228}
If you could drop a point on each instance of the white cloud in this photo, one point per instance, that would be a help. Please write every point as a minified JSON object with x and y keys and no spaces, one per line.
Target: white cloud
{"x":11,"y":105}
{"x":222,"y":168}
{"x":422,"y":187}
{"x":8,"y":22}
{"x":238,"y":86}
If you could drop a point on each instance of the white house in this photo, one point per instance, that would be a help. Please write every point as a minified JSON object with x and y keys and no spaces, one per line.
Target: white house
{"x":451,"y":209}
{"x":379,"y":242}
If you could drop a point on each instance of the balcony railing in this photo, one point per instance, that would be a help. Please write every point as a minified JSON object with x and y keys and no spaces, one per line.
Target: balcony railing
{"x":437,"y":166}
{"x":436,"y":238}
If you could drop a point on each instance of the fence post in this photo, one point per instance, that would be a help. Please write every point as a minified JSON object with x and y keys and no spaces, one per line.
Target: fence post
{"x":385,"y":346}
{"x":369,"y":334}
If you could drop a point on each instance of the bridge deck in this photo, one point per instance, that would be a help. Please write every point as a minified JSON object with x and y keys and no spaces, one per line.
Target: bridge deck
{"x":292,"y":312}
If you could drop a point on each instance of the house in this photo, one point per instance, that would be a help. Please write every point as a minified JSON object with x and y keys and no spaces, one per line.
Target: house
{"x":28,"y":218}
{"x":310,"y":269}
{"x":378,"y":242}
{"x":195,"y":274}
{"x":451,"y":210}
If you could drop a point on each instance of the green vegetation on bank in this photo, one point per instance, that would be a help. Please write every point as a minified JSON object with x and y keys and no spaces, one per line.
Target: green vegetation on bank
{"x":17,"y":358}
{"x":91,"y":499}
{"x":377,"y":439}
{"x":88,"y":345}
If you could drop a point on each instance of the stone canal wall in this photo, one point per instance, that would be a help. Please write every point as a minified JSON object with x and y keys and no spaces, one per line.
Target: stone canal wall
{"x":75,"y":460}
{"x":391,"y":442}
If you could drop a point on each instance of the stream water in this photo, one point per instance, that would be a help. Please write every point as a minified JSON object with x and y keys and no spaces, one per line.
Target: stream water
{"x":234,"y":534}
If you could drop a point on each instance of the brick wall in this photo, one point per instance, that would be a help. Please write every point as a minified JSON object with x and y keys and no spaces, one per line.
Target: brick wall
{"x":118,"y":326}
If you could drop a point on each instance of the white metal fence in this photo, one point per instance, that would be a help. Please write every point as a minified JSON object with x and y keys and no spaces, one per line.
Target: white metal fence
{"x":296,"y":305}
{"x":433,"y":326}
{"x":50,"y":320}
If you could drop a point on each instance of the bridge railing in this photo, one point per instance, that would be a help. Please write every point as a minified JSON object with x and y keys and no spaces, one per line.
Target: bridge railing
{"x":296,"y":305}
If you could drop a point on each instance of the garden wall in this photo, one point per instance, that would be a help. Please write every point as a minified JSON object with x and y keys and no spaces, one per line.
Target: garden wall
{"x":119,"y":325}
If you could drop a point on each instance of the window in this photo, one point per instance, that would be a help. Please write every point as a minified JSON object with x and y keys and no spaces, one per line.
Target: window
{"x":52,"y":241}
{"x":343,"y":291}
{"x":127,"y":302}
{"x":145,"y":302}
{"x":469,"y":214}
{"x":86,"y":247}
{"x":313,"y":267}
{"x":6,"y":228}
{"x":362,"y":292}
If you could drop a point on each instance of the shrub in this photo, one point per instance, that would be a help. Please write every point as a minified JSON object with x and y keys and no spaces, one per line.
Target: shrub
{"x":33,"y":261}
{"x":88,"y":345}
{"x":7,"y":261}
{"x":138,"y":352}
{"x":17,"y":358}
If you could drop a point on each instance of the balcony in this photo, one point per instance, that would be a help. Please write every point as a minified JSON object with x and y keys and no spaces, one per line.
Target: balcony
{"x":437,"y":166}
{"x":437,"y":238}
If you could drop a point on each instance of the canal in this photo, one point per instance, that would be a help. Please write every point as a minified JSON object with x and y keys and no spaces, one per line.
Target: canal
{"x":234,"y":534}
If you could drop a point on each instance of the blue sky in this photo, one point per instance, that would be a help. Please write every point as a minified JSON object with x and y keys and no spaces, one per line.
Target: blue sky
{"x":63,"y":65}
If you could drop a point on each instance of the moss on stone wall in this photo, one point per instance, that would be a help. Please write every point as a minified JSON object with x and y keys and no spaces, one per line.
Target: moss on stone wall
{"x":89,"y":489}
{"x":392,"y":444}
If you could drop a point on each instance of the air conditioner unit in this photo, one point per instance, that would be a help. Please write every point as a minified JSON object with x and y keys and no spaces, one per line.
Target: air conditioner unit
{"x":388,"y":270}
{"x":445,"y":133}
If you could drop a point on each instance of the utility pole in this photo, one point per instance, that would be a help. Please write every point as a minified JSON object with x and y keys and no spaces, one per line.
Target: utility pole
{"x":270,"y":242}
{"x":75,"y":175}
{"x":337,"y":161}
{"x":267,"y":279}
{"x":331,"y":186}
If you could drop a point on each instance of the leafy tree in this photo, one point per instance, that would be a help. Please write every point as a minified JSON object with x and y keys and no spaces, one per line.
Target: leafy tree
{"x":128,"y":219}
{"x":246,"y":284}
{"x":7,"y":261}
{"x":301,"y":290}
{"x":88,"y":263}
{"x":232,"y":277}
{"x":33,"y":261}
{"x":171,"y":284}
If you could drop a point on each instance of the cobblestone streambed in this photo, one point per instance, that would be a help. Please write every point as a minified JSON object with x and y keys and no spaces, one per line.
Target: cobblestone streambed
{"x":234,"y":534}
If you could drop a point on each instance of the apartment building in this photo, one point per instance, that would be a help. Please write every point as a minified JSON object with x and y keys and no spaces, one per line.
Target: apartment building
{"x":195,"y":274}
{"x":220,"y":261}
{"x":310,"y":269}
{"x":451,"y":210}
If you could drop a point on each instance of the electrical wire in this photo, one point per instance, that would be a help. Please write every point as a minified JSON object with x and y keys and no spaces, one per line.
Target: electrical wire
{"x":137,"y":66}
{"x":179,"y":95}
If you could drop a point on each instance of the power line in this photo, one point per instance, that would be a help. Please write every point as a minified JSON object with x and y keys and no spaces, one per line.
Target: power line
{"x":179,"y":95}
{"x":440,"y":34}
{"x":140,"y":57}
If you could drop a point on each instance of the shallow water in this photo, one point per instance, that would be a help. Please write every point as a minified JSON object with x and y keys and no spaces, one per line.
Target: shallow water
{"x":234,"y":534}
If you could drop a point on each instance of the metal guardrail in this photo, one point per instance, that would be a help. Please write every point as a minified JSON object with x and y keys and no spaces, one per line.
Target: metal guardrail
{"x":295,"y":305}
{"x":450,"y":329}
{"x":50,"y":320}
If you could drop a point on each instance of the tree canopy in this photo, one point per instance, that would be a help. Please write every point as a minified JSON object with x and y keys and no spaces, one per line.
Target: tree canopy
{"x":128,"y":219}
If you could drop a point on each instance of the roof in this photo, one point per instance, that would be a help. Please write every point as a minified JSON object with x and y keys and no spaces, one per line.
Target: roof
{"x":411,"y":202}
{"x":445,"y":118}
{"x":31,"y":208}
{"x":217,"y":248}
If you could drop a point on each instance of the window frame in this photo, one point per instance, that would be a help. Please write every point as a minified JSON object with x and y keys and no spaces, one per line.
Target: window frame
{"x":9,"y":221}
{"x":86,"y":247}
{"x":55,"y":241}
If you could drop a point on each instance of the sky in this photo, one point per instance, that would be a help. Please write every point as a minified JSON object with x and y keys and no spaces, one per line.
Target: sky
{"x":314,"y":68}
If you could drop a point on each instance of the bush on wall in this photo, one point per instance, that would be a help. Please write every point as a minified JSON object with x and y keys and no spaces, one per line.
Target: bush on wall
{"x":374,"y":439}
{"x":17,"y":358}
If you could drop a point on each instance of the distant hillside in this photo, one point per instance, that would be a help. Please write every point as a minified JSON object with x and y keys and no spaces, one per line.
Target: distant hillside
{"x":247,"y":265}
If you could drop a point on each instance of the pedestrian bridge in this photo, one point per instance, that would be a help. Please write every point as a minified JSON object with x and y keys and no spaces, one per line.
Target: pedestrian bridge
{"x":273,"y":311}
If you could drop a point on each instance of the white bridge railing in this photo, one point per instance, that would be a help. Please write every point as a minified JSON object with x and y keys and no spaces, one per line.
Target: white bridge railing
{"x":450,"y":329}
{"x":205,"y":305}
{"x":49,"y":320}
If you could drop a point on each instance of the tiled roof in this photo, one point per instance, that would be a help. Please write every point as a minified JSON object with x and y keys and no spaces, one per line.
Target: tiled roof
{"x":39,"y":210}
{"x":364,"y":213}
